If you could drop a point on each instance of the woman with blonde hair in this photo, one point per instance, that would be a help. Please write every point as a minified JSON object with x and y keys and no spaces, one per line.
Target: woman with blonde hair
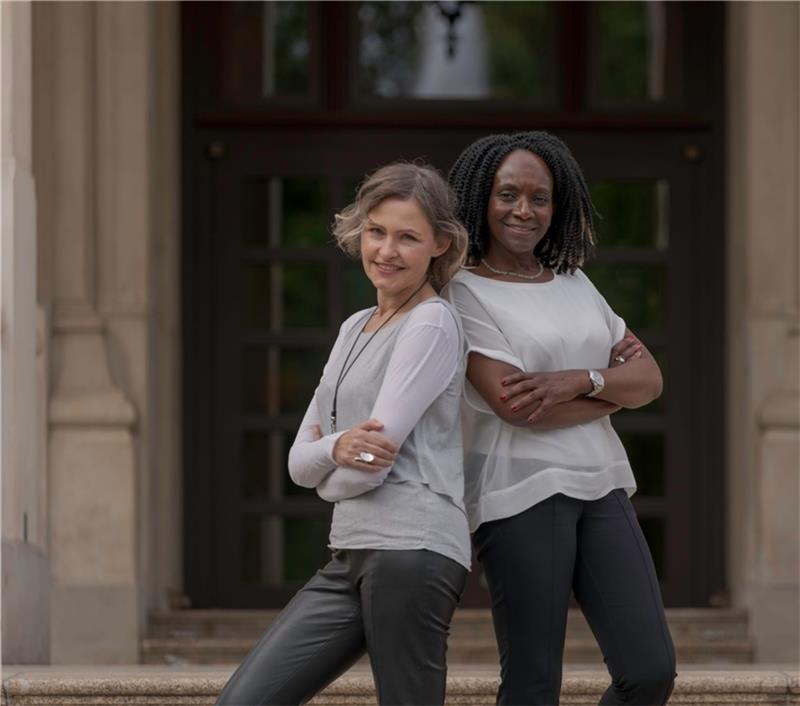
{"x":382,"y":440}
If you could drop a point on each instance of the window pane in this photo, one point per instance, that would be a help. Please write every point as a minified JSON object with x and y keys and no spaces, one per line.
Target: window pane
{"x":256,"y":296}
{"x":305,"y":544}
{"x":637,"y":293}
{"x":632,"y":213}
{"x":285,"y":211}
{"x":266,"y":50}
{"x":485,"y":50}
{"x":259,"y":384}
{"x":646,"y":454}
{"x":304,"y":296}
{"x":280,"y":381}
{"x":256,"y":449}
{"x":305,"y":290}
{"x":305,"y":217}
{"x":278,"y":549}
{"x":300,"y":371}
{"x":630,"y":61}
{"x":359,"y":292}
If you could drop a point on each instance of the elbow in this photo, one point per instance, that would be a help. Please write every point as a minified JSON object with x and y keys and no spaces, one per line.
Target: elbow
{"x":647,"y":393}
{"x":516,"y":419}
{"x":297,"y":472}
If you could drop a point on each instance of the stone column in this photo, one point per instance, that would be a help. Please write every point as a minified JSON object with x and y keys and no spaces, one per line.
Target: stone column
{"x":91,"y":451}
{"x":25,"y":571}
{"x":763,"y":227}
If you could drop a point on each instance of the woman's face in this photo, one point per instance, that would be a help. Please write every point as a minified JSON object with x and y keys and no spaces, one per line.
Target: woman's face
{"x":520,"y":204}
{"x":397,"y":244}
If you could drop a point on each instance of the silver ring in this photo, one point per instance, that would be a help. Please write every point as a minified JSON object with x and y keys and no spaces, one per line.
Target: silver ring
{"x":366,"y":457}
{"x":619,"y":359}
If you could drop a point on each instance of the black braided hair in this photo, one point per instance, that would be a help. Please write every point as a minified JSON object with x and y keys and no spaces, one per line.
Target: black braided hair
{"x":571,"y":238}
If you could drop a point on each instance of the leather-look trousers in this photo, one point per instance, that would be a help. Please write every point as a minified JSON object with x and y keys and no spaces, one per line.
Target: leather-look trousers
{"x":394,"y":604}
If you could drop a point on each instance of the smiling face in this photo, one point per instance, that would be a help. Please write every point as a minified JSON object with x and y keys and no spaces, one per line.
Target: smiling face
{"x":397,"y":244}
{"x":520,"y":204}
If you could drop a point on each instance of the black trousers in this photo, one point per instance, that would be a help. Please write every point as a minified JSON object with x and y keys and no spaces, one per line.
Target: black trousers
{"x":394,"y":604}
{"x":532,"y":561}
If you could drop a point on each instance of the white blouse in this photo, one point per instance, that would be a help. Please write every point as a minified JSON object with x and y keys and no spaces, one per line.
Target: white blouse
{"x":537,"y":327}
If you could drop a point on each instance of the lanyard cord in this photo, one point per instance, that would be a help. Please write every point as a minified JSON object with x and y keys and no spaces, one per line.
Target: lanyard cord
{"x":346,"y":368}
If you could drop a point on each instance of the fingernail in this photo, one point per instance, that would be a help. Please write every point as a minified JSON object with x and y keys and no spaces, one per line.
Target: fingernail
{"x":514,"y":408}
{"x":504,"y":397}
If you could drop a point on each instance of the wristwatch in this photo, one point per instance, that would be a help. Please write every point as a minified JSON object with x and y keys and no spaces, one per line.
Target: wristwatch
{"x":598,"y":383}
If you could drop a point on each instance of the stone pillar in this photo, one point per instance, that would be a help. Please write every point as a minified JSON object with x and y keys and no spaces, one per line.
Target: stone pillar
{"x":91,"y":451}
{"x":763,"y":226}
{"x":107,"y":154}
{"x":25,"y":571}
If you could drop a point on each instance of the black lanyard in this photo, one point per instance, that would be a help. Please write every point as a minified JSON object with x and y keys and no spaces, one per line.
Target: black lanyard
{"x":346,"y":368}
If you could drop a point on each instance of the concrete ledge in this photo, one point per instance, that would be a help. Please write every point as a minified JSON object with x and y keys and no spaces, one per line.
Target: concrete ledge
{"x":143,"y":685}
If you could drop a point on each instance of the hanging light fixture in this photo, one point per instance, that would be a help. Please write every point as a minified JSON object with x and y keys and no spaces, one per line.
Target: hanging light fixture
{"x":450,"y":10}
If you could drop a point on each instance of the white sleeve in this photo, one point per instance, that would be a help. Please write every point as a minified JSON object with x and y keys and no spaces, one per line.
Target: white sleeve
{"x":421,"y":366}
{"x":482,"y":333}
{"x":483,"y":336}
{"x":310,"y":459}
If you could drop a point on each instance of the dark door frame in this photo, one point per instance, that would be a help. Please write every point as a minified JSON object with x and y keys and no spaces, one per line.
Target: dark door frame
{"x":214,"y":132}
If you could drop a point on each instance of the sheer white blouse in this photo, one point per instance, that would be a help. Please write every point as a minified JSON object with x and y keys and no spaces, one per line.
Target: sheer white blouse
{"x":537,"y":327}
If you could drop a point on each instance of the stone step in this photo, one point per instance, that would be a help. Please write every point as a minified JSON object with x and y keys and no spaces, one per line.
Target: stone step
{"x":700,"y":623}
{"x":231,"y":650}
{"x":153,"y":686}
{"x":702,"y":636}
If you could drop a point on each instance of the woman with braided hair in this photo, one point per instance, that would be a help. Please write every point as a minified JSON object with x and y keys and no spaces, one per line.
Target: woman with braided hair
{"x":547,"y":479}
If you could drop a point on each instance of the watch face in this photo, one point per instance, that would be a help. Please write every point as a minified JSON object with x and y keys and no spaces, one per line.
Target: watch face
{"x":597,"y":380}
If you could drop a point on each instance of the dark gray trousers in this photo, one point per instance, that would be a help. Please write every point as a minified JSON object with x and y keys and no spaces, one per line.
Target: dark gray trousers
{"x":394,"y":604}
{"x":533,"y":561}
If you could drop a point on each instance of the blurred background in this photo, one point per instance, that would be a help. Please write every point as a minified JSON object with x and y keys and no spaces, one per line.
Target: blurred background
{"x":170,"y":292}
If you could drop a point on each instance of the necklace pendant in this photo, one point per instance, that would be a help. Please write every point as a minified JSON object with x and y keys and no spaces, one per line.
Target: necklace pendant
{"x":333,"y":422}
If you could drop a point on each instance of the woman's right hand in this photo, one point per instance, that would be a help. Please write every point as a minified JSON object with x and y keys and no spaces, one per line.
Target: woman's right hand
{"x":365,"y":437}
{"x":629,"y":348}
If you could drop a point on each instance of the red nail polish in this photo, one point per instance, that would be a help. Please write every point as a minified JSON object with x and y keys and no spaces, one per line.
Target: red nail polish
{"x":514,"y":408}
{"x":504,"y":397}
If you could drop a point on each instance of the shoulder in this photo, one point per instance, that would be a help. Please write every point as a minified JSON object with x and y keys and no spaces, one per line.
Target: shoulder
{"x":435,"y":311}
{"x":465,"y":290}
{"x":354,"y":320}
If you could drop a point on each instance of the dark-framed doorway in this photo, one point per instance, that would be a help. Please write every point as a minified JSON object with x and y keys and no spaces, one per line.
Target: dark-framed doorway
{"x":264,"y":290}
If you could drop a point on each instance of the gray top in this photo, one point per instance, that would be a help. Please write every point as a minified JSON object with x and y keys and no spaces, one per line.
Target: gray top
{"x":410,"y":378}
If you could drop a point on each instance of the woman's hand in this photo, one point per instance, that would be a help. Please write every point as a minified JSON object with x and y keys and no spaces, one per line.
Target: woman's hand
{"x":629,"y":348}
{"x":364,"y":437}
{"x":538,"y":393}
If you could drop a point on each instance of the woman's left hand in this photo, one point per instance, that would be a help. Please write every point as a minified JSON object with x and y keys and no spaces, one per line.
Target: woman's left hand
{"x":538,"y":393}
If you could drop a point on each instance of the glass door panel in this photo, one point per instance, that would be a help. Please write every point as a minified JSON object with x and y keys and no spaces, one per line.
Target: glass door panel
{"x":456,"y":51}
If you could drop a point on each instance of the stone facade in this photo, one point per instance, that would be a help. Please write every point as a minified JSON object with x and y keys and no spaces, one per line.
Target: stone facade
{"x":763,"y":153}
{"x":91,"y":469}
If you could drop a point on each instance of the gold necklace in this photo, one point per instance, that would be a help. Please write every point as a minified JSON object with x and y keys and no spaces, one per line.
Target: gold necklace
{"x":512,"y":274}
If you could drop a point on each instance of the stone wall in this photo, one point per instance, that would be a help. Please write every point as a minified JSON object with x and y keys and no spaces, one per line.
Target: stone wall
{"x":25,"y":580}
{"x":106,"y":155}
{"x":763,"y":405}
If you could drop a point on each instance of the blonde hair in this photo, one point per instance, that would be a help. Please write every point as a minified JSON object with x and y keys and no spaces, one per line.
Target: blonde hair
{"x":405,"y":181}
